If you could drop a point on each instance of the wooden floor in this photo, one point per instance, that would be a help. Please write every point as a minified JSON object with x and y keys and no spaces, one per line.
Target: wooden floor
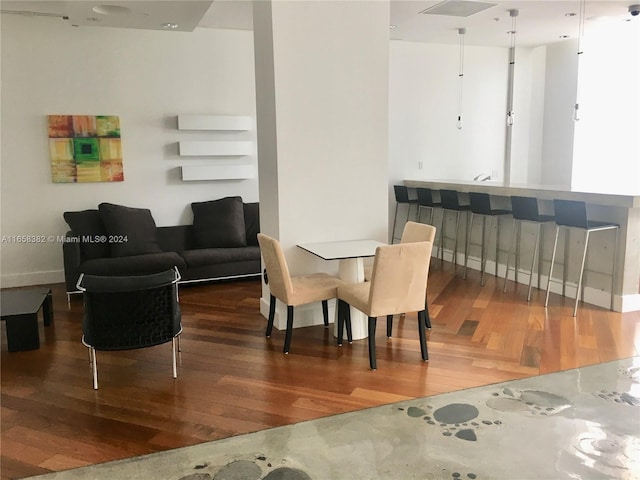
{"x":233,"y":380}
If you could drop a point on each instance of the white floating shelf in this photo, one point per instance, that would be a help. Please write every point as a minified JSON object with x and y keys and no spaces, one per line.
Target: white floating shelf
{"x":217,"y":172}
{"x":214,"y":148}
{"x":213,"y":122}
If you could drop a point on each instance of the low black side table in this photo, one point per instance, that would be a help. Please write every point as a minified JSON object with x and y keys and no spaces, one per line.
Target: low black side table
{"x":19,"y":310}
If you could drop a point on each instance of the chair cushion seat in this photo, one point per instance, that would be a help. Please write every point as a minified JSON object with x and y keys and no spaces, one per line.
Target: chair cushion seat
{"x":356,"y":295}
{"x":597,"y":224}
{"x":213,"y":256}
{"x":314,"y":287}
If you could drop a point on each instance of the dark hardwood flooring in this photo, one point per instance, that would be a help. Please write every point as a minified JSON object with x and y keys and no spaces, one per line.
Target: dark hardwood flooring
{"x":232,"y":380}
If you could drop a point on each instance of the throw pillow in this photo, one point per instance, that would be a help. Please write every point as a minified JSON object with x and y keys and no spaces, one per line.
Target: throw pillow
{"x":219,"y":223}
{"x":130,"y":231}
{"x":87,"y":224}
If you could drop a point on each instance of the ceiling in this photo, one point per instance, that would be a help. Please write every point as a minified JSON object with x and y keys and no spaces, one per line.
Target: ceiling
{"x":537,"y":22}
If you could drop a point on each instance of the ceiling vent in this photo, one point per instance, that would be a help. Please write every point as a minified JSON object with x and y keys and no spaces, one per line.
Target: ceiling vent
{"x":457,"y":8}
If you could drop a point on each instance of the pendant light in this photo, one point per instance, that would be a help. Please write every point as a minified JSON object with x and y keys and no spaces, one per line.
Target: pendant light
{"x":512,"y":61}
{"x":461,"y":33}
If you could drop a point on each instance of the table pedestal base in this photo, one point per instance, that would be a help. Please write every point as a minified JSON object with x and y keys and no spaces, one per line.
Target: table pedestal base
{"x":351,"y":270}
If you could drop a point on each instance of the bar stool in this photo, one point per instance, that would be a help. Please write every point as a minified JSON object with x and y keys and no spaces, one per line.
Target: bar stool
{"x":425,"y":200}
{"x":481,"y":205}
{"x":573,"y":214}
{"x":451,"y":203}
{"x":525,"y":209}
{"x":402,"y":197}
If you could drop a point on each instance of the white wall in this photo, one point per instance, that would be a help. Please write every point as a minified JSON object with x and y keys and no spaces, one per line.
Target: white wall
{"x":145,"y":77}
{"x":607,"y":136}
{"x":560,"y":93}
{"x":528,"y":106}
{"x":423,"y":109}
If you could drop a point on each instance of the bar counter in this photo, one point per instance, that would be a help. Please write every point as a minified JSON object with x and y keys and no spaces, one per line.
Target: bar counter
{"x":623,"y":209}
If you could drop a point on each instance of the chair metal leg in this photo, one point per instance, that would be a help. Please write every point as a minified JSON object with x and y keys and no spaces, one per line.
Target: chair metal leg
{"x":287,"y":337}
{"x":565,"y":260}
{"x":517,"y":253}
{"x":466,"y":248}
{"x":440,"y":251}
{"x":94,"y":368}
{"x":347,"y":316}
{"x":497,"y":244}
{"x":536,"y":253}
{"x":427,"y":318}
{"x":372,"y":343}
{"x":511,"y":244}
{"x":584,"y":258}
{"x":325,"y":313}
{"x":455,"y":245}
{"x":393,"y":230}
{"x":173,"y":348}
{"x":438,"y":240}
{"x":423,"y":336}
{"x":483,"y":257}
{"x":553,"y":257}
{"x":614,"y":270}
{"x":389,"y":325}
{"x":272,"y":314}
{"x":540,"y":252}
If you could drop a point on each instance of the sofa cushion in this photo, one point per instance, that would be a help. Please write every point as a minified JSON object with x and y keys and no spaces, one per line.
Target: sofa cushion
{"x":134,"y":265}
{"x":211,"y":256}
{"x":219,"y":223}
{"x":252,"y":222}
{"x":88,"y":225}
{"x":132,"y":231}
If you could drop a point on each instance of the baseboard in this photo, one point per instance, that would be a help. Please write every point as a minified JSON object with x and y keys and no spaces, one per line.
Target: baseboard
{"x":32,"y":278}
{"x":630,"y":303}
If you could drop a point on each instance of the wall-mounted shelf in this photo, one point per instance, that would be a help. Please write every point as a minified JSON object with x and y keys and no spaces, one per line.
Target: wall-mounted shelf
{"x":214,"y":122}
{"x":217,"y":172}
{"x":214,"y":148}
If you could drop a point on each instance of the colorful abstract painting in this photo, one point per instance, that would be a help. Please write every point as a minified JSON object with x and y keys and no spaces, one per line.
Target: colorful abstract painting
{"x":85,"y":148}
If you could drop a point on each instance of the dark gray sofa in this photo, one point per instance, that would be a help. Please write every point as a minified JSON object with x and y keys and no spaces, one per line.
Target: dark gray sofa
{"x":116,"y":240}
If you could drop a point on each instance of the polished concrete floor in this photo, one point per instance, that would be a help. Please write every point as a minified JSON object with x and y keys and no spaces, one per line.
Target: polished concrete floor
{"x":577,"y":424}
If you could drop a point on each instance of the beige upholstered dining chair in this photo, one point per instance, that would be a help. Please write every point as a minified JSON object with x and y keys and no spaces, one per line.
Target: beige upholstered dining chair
{"x":293,"y":290}
{"x":398,"y":284}
{"x":413,"y":232}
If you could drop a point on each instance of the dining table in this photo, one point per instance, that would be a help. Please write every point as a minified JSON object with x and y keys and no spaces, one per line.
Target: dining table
{"x":350,"y":255}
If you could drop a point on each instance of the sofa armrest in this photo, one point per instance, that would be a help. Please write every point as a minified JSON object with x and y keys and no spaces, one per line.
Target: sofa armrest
{"x":252,"y":222}
{"x":72,"y":258}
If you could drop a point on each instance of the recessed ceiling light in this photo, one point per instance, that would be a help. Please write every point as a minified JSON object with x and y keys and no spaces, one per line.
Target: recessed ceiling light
{"x":111,"y":10}
{"x":570,"y":14}
{"x":392,"y":27}
{"x":563,"y":36}
{"x":170,"y":26}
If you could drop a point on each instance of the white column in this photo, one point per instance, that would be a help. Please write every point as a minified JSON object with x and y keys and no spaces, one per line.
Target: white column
{"x":322,"y":113}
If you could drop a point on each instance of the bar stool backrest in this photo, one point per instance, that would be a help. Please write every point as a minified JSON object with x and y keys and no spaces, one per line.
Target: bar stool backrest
{"x":480,"y":203}
{"x":449,"y":199}
{"x":425,"y":197}
{"x":571,"y":213}
{"x":525,"y":208}
{"x":402,"y":193}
